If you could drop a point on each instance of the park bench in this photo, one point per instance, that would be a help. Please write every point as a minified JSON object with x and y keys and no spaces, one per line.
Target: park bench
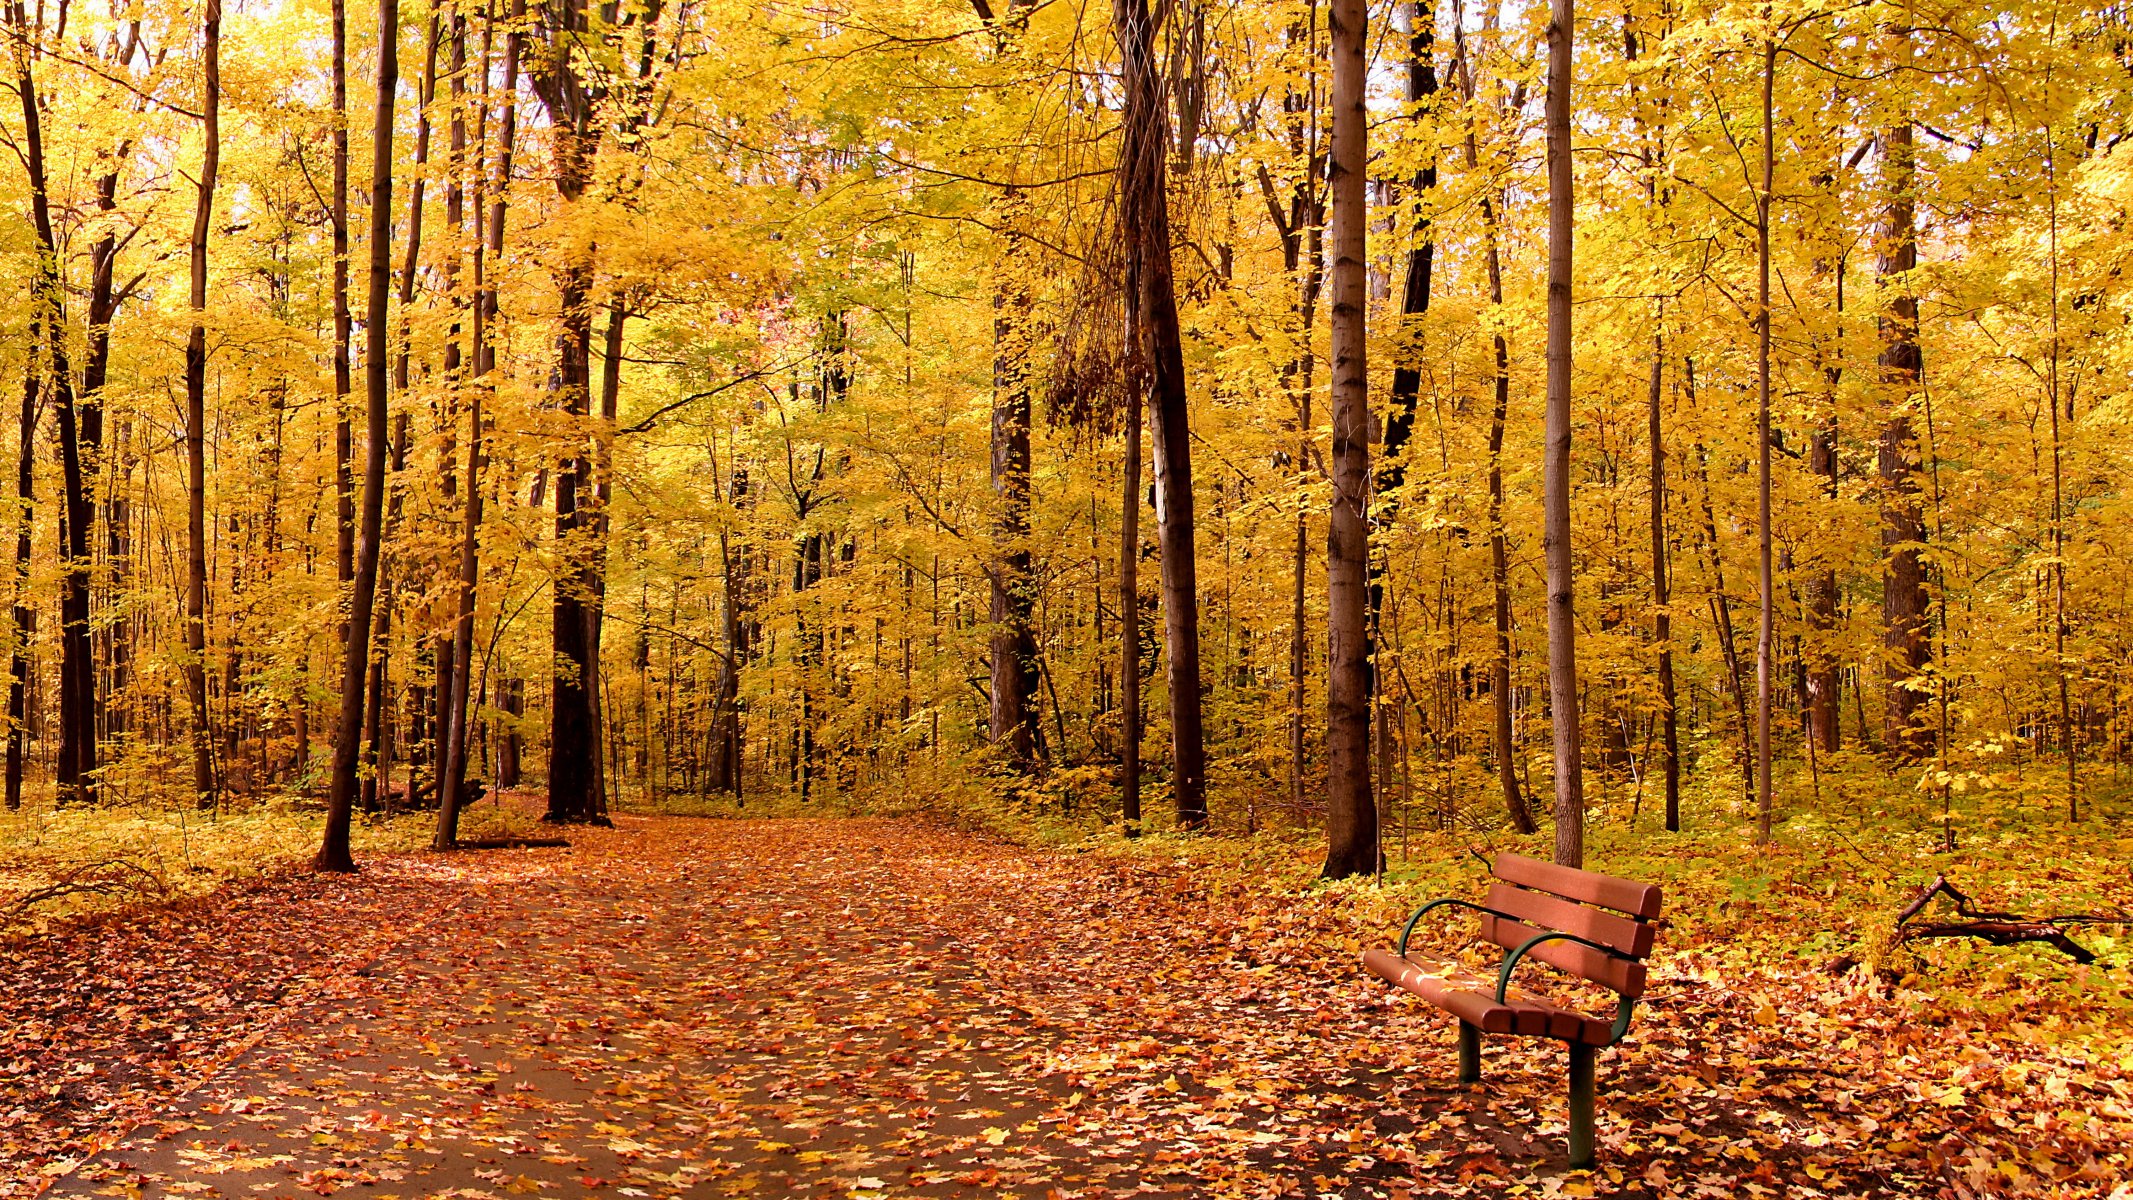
{"x":1595,"y":927}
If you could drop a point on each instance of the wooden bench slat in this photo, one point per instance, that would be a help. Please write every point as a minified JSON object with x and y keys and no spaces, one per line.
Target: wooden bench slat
{"x":1621,"y":974}
{"x":1590,"y":887}
{"x":1474,"y":1001}
{"x":1543,"y":910}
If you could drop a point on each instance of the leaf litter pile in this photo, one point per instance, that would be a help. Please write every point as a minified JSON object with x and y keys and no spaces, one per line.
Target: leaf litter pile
{"x":873,"y":1008}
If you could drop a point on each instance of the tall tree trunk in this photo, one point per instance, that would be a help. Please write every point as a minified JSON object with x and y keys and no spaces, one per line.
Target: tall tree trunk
{"x":1904,"y":602}
{"x":1407,"y":372}
{"x":376,"y":732}
{"x":1503,"y":749}
{"x":1662,"y":591}
{"x":204,"y":786}
{"x":1825,"y":679}
{"x":1014,"y":647}
{"x":1351,"y":810}
{"x":1766,"y":576}
{"x":96,"y":368}
{"x":25,"y":474}
{"x":334,"y":853}
{"x":343,"y":322}
{"x":75,"y":772}
{"x":1652,"y":153}
{"x":1144,"y":210}
{"x":1562,"y":614}
{"x":574,"y":736}
{"x":488,"y":249}
{"x":1129,"y":621}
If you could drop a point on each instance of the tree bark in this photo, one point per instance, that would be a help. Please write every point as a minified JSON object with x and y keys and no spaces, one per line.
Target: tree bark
{"x":1014,"y":648}
{"x":25,"y":476}
{"x":1904,"y":603}
{"x":1153,"y":308}
{"x":334,"y":854}
{"x":75,"y":772}
{"x":1129,"y":622}
{"x":343,"y":322}
{"x":574,"y":736}
{"x":1766,"y":576}
{"x":1503,"y":749}
{"x":488,"y":249}
{"x":1562,"y":614}
{"x":1407,"y":372}
{"x":1351,"y":808}
{"x":204,"y":784}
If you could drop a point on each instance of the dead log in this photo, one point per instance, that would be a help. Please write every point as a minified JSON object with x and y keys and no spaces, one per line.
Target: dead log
{"x":1998,"y":928}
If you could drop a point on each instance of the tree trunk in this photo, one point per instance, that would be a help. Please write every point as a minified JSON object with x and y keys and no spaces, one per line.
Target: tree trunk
{"x":1351,"y":811}
{"x":1766,"y":577}
{"x":1903,"y":531}
{"x":343,"y":322}
{"x":75,"y":772}
{"x":1562,"y":615}
{"x":1662,"y":592}
{"x":1144,"y":212}
{"x":196,"y":419}
{"x":1129,"y":622}
{"x":1503,"y":750}
{"x":574,"y":736}
{"x":1825,"y":708}
{"x":334,"y":853}
{"x":1014,"y":648}
{"x":19,"y":670}
{"x":488,"y":249}
{"x":1407,"y":372}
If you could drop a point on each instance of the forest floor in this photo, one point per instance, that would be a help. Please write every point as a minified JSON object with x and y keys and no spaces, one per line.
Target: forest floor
{"x":864,"y":1007}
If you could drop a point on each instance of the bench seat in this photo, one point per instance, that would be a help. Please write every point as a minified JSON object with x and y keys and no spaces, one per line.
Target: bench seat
{"x":1473,"y":1000}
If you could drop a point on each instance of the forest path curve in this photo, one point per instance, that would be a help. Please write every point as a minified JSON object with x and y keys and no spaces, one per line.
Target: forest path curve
{"x":750,"y":1008}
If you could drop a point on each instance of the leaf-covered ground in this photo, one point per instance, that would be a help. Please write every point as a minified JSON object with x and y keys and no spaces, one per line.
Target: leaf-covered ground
{"x":865,"y":1007}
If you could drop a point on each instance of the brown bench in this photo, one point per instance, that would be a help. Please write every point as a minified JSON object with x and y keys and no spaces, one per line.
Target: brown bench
{"x":1596,"y":927}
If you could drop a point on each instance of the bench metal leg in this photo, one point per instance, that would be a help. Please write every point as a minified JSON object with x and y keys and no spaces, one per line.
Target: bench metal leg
{"x":1581,"y":1103}
{"x":1469,"y":1053}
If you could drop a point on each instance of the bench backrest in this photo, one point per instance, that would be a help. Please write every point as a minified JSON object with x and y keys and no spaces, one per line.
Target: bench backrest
{"x":1614,"y":912}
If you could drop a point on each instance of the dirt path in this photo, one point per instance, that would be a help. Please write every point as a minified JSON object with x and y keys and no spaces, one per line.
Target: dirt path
{"x":785,"y":1008}
{"x":854,"y":1009}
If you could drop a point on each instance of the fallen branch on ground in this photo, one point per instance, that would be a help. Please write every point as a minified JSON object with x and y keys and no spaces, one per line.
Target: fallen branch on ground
{"x":108,"y":877}
{"x":1998,"y":928}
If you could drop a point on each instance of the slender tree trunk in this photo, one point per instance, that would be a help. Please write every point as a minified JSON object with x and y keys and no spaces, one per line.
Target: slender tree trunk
{"x":343,"y":322}
{"x":1014,"y":649}
{"x":1562,"y":615}
{"x":96,"y":367}
{"x":488,"y":249}
{"x":1904,"y":602}
{"x":1766,"y":576}
{"x":375,"y":732}
{"x":204,"y":788}
{"x":1503,"y":748}
{"x":1662,"y":592}
{"x":1152,"y":301}
{"x":1825,"y":680}
{"x":1351,"y":811}
{"x":1129,"y":621}
{"x":25,"y":475}
{"x":334,"y":853}
{"x":574,"y":735}
{"x":1407,"y":373}
{"x":75,"y":772}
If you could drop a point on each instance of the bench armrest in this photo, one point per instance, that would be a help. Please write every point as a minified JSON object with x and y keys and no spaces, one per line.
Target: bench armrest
{"x":1510,"y":964}
{"x":1408,"y":930}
